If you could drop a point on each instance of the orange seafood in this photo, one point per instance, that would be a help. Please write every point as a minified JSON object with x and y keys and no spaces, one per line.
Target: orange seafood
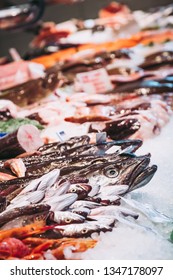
{"x":23,"y":232}
{"x":76,"y":245}
{"x":13,"y":247}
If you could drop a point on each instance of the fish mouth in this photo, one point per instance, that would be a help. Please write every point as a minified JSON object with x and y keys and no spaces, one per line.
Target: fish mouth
{"x":142,"y":173}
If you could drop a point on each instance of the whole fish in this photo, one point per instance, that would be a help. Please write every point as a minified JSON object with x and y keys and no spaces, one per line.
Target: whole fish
{"x":9,"y":215}
{"x":126,"y":169}
{"x":26,"y":220}
{"x":81,"y":230}
{"x":65,"y":217}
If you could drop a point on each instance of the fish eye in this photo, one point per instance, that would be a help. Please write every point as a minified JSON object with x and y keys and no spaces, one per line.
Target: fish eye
{"x":73,"y":190}
{"x":111,"y":172}
{"x":68,"y":220}
{"x":84,"y":231}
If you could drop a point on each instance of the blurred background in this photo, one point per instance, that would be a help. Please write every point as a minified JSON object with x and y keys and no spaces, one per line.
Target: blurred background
{"x":62,"y":12}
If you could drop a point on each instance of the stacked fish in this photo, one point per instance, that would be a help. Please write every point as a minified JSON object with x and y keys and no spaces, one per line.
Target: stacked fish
{"x":78,"y":195}
{"x":55,"y":196}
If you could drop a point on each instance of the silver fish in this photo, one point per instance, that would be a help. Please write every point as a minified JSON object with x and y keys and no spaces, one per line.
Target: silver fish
{"x":84,"y":203}
{"x":66,"y":217}
{"x":103,"y":219}
{"x":82,"y":211}
{"x":81,"y":190}
{"x":113,"y":210}
{"x":94,"y":191}
{"x":32,"y":197}
{"x":62,"y":202}
{"x":49,"y":179}
{"x":81,"y":230}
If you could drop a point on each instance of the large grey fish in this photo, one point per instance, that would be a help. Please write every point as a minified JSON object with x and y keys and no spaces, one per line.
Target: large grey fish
{"x":126,"y":169}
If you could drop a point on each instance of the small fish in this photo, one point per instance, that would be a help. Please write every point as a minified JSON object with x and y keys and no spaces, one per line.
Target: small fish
{"x":113,"y":210}
{"x":81,"y":230}
{"x":62,"y":202}
{"x":9,"y":215}
{"x":47,"y":180}
{"x":66,"y":217}
{"x":17,"y":166}
{"x":82,"y":211}
{"x":26,"y":220}
{"x":84,"y":203}
{"x":31,"y":197}
{"x":81,"y":190}
{"x":103,"y":219}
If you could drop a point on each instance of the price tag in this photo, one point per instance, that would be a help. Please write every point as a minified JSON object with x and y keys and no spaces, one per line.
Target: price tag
{"x":61,"y":135}
{"x":96,"y":81}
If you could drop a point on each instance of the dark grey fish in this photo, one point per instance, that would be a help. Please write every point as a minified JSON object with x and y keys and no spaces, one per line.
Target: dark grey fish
{"x":26,"y":220}
{"x":9,"y":215}
{"x":130,"y":170}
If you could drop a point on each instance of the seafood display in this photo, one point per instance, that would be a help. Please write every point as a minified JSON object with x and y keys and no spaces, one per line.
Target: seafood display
{"x":74,"y":126}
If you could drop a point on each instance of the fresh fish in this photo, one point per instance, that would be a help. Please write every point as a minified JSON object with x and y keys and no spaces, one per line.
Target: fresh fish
{"x":43,"y":182}
{"x":71,"y":143}
{"x":61,"y":187}
{"x":48,"y":180}
{"x":57,"y":189}
{"x":81,"y":230}
{"x":127,"y":169}
{"x":66,"y":217}
{"x":94,"y":191}
{"x":62,"y":202}
{"x":9,"y":215}
{"x":83,"y":203}
{"x":26,"y":220}
{"x":157,"y":59}
{"x":114,"y":211}
{"x":103,"y":219}
{"x":5,"y":187}
{"x":31,"y":197}
{"x":81,"y":190}
{"x":117,"y":129}
{"x":82,"y":211}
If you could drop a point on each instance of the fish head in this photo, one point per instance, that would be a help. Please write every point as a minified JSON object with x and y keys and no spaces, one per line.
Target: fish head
{"x":81,"y":190}
{"x":127,"y":169}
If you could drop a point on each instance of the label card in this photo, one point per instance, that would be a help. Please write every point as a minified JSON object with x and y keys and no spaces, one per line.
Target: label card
{"x":96,"y":81}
